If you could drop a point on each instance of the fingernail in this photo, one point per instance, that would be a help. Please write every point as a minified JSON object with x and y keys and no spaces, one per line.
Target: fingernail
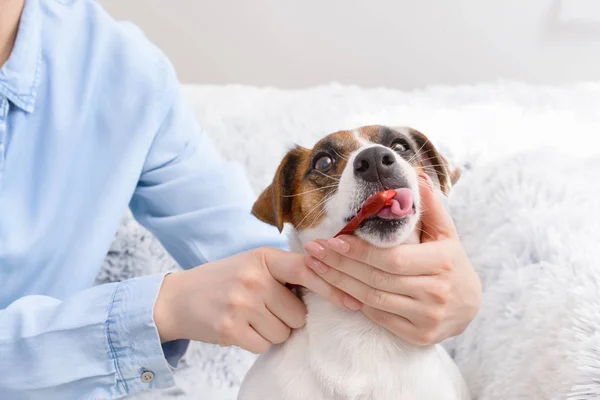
{"x":315,"y":249}
{"x":339,"y":245}
{"x":351,"y":303}
{"x":316,"y":265}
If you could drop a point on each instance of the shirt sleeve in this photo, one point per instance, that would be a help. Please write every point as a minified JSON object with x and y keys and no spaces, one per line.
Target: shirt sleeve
{"x":100,"y":343}
{"x":195,"y":202}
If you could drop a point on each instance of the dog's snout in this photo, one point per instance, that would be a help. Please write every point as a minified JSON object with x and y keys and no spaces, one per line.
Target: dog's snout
{"x":374,"y":164}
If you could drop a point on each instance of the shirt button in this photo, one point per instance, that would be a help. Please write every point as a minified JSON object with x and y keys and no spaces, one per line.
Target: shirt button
{"x":147,"y":376}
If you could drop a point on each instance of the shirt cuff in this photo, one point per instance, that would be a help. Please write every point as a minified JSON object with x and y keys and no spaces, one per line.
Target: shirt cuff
{"x":141,"y":362}
{"x":174,"y":351}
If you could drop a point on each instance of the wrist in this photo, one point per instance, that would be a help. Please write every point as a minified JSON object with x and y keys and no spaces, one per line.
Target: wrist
{"x":165,"y":311}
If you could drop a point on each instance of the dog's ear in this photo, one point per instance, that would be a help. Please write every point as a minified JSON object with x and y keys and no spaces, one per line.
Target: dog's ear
{"x":454,"y":172}
{"x":274,"y":205}
{"x":439,"y":169}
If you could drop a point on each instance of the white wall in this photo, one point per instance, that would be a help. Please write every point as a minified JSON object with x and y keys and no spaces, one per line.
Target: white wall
{"x":395,"y":43}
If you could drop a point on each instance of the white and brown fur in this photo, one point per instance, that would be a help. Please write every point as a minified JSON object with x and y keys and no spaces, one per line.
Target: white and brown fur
{"x":340,"y":354}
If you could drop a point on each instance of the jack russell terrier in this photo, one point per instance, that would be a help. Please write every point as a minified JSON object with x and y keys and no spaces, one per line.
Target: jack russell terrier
{"x":341,"y":354}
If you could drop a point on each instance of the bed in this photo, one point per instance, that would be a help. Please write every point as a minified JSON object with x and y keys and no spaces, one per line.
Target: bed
{"x":526,"y":208}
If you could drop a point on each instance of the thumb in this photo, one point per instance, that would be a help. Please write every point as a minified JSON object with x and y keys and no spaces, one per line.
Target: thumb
{"x":285,"y":266}
{"x":290,"y":269}
{"x":437,"y":223}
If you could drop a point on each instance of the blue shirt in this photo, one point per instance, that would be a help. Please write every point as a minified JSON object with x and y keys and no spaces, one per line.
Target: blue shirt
{"x":92,"y":121}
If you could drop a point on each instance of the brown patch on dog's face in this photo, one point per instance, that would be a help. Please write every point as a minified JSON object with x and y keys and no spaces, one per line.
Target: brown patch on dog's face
{"x":431,"y":162}
{"x":307,"y":178}
{"x":318,"y":181}
{"x":304,"y":181}
{"x":274,"y":204}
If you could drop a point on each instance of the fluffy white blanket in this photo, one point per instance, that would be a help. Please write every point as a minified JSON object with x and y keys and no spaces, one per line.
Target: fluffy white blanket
{"x":531,"y":227}
{"x":529,"y":220}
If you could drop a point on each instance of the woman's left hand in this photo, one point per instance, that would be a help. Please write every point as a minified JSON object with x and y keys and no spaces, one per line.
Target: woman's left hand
{"x":423,"y":293}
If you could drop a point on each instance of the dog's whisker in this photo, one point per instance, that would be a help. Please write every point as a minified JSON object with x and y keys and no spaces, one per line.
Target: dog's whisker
{"x":311,"y":191}
{"x":425,"y":232}
{"x":316,"y":218}
{"x":328,"y":176}
{"x":418,"y":152}
{"x":428,"y":158}
{"x":431,"y":226}
{"x":323,"y":211}
{"x":340,"y":156}
{"x":436,"y":172}
{"x":434,"y":165}
{"x":423,"y":208}
{"x":422,"y":180}
{"x":326,"y":198}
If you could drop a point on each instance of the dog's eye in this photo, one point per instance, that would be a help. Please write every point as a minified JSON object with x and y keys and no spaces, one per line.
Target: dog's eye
{"x":400,"y":146}
{"x":323,"y":163}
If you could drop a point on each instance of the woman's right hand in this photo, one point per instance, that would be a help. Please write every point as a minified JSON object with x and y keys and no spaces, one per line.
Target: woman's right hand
{"x":240,"y":300}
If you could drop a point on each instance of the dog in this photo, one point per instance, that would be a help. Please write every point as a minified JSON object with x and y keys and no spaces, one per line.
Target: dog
{"x":340,"y":354}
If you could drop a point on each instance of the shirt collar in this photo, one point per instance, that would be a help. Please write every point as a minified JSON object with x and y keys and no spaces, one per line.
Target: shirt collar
{"x":19,"y":77}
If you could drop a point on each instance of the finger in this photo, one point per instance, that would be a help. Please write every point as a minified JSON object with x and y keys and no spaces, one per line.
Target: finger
{"x":396,"y":324}
{"x":286,"y":306}
{"x":250,"y":340}
{"x":391,"y":302}
{"x":423,"y":305}
{"x":409,"y":259}
{"x":436,"y":220}
{"x":321,"y":250}
{"x":269,"y":326}
{"x":288,"y":267}
{"x":411,"y":286}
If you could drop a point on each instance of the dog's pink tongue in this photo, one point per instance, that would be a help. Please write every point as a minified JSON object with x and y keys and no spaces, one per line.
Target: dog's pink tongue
{"x":400,"y":206}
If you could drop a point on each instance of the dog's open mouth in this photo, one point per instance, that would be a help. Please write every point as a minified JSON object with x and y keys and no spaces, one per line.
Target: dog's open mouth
{"x":386,"y":209}
{"x":401,"y":205}
{"x":398,"y":207}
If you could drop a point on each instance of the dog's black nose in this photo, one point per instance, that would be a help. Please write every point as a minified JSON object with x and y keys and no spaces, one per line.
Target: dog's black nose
{"x":375,"y":164}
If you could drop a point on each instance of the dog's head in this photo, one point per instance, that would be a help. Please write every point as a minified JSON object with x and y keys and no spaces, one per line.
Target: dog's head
{"x":319,"y":190}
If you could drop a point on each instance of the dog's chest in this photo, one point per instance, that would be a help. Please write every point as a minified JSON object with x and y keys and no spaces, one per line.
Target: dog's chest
{"x":352,"y":358}
{"x":342,"y":355}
